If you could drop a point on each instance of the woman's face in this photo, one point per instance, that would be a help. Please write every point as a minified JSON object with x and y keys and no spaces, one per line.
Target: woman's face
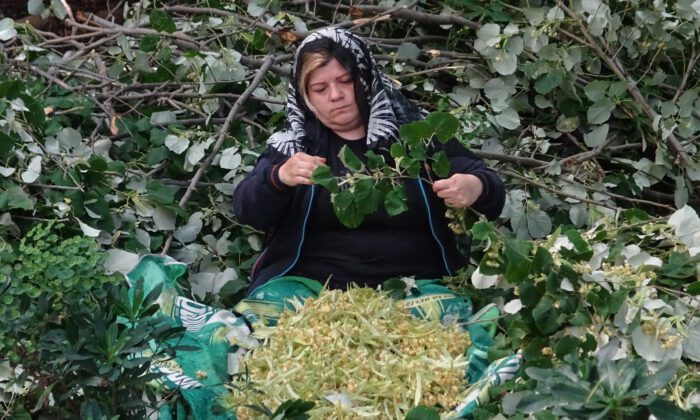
{"x":330,"y":90}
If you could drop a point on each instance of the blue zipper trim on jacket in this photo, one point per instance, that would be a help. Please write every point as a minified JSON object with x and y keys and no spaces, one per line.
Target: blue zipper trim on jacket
{"x":303,"y":234}
{"x":432,"y":229}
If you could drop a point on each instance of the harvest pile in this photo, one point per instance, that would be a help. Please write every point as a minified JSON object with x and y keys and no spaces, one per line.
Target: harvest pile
{"x":355,"y":354}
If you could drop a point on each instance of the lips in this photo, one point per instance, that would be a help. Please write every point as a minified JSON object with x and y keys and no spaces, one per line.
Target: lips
{"x":340,"y":109}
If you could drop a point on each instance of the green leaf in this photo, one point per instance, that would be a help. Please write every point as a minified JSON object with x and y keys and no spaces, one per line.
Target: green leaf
{"x":546,"y":316}
{"x":508,"y":118}
{"x":293,"y":410}
{"x":538,"y":223}
{"x":666,"y":410}
{"x":441,"y":164}
{"x":160,"y":192}
{"x":678,"y":266}
{"x":367,"y":197}
{"x":422,"y":412}
{"x":161,"y":21}
{"x":345,"y":209}
{"x":7,"y":145}
{"x":600,"y":111}
{"x":156,"y":155}
{"x":597,"y":136}
{"x":98,"y":163}
{"x":504,"y":63}
{"x":350,"y":159}
{"x":415,"y":132}
{"x":570,"y":392}
{"x":395,"y":201}
{"x":10,"y":89}
{"x":549,"y":81}
{"x":694,"y":288}
{"x":374,"y":161}
{"x":483,"y":230}
{"x":15,"y":198}
{"x":149,"y":43}
{"x":567,"y":344}
{"x":543,"y":261}
{"x":443,"y":124}
{"x":582,"y":250}
{"x":397,"y":151}
{"x":394,"y":287}
{"x":419,"y":152}
{"x":595,"y":91}
{"x":407,"y":51}
{"x":7,"y":29}
{"x":323,"y":176}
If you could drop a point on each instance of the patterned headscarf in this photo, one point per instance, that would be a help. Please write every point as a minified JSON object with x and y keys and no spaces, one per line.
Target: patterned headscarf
{"x":382,"y":107}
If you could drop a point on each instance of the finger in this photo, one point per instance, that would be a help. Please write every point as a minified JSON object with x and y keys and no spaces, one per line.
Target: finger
{"x":445,"y":195}
{"x":302,"y":180}
{"x":440,"y":185}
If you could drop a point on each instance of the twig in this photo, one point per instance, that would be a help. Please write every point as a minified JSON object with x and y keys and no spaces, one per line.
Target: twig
{"x":525,"y":161}
{"x":409,"y":14}
{"x":112,"y":28}
{"x":689,"y":69}
{"x":53,"y":187}
{"x":248,"y":21}
{"x":51,"y":78}
{"x":428,"y":71}
{"x":554,"y":190}
{"x":220,"y":139}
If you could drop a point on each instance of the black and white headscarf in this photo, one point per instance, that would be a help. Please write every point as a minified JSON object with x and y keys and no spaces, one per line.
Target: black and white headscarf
{"x":382,"y":107}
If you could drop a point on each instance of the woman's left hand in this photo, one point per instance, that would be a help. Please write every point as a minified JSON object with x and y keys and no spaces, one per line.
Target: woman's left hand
{"x":459,"y":190}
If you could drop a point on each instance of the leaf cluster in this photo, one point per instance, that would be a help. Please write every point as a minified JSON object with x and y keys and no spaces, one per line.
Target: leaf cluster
{"x":380,"y":181}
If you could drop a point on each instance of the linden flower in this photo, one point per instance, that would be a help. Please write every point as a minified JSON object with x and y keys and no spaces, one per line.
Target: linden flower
{"x":359,"y":346}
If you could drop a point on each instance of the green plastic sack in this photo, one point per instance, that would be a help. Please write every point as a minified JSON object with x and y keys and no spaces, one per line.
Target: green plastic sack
{"x":223,"y":336}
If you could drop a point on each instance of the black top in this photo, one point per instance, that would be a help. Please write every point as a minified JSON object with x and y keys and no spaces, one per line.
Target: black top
{"x":380,"y":248}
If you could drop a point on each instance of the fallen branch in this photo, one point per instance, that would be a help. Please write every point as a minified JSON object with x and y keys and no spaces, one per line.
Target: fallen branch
{"x":403,"y":13}
{"x":616,"y":66}
{"x":220,"y":139}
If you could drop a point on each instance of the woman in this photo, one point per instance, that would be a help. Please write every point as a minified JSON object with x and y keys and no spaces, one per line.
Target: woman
{"x":337,"y":97}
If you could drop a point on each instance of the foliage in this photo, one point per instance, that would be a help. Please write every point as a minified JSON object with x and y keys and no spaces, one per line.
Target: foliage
{"x":579,"y":301}
{"x":602,"y":388}
{"x":373,"y":181}
{"x":588,"y":109}
{"x":75,"y":343}
{"x":44,"y":280}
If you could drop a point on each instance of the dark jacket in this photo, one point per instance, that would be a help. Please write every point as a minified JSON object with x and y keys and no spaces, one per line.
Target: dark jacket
{"x":260,"y":201}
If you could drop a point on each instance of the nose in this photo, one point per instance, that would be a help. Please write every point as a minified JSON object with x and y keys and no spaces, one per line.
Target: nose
{"x":336,"y":92}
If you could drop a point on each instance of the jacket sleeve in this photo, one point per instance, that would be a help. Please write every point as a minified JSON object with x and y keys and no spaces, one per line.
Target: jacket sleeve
{"x":463,"y":161}
{"x":261,"y":199}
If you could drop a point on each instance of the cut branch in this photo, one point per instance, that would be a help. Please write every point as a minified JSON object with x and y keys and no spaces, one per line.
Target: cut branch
{"x":616,"y":66}
{"x":220,"y":139}
{"x":404,"y":13}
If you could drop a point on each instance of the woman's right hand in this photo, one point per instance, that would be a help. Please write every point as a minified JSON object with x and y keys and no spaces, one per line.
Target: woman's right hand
{"x":298,"y":169}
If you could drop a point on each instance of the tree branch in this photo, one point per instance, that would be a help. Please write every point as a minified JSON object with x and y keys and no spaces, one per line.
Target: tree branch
{"x":616,"y":66}
{"x":404,"y":13}
{"x":220,"y":139}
